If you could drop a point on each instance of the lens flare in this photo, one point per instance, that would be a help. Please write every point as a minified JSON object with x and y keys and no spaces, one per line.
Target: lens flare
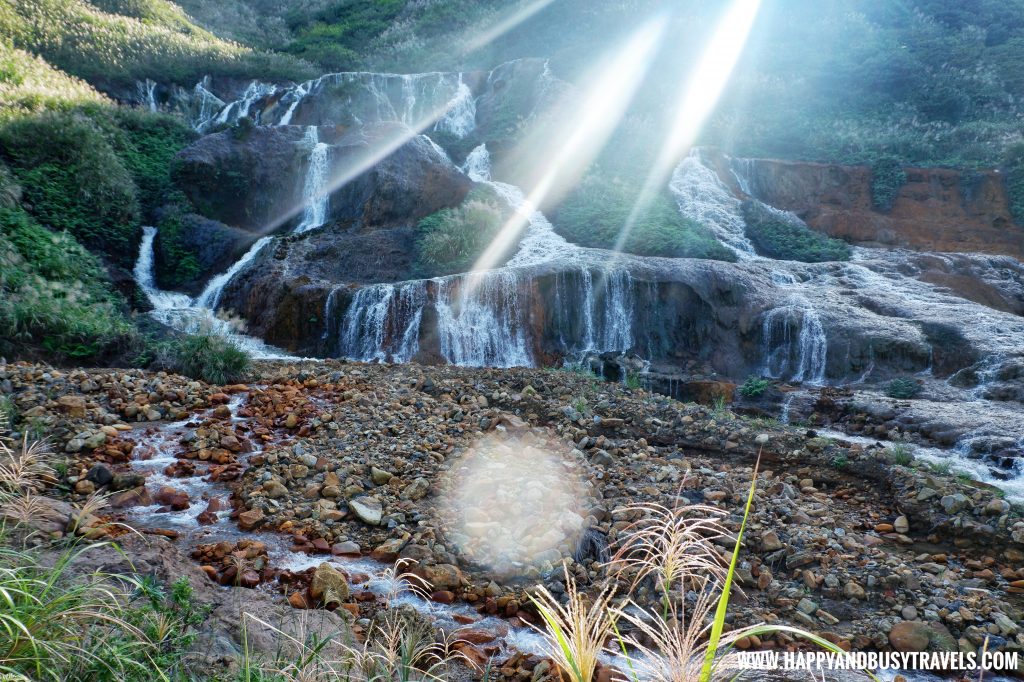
{"x":511,"y":19}
{"x":516,"y":504}
{"x":707,"y":82}
{"x":607,"y":96}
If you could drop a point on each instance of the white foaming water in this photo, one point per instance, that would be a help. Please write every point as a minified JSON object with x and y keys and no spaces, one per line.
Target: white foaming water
{"x":460,"y":117}
{"x":147,"y":89}
{"x":795,"y":346}
{"x":539,"y":243}
{"x":188,"y":315}
{"x":210,"y":298}
{"x":382,"y":322}
{"x":241,"y":107}
{"x":145,"y":276}
{"x":315,"y":196}
{"x":482,"y":320}
{"x":296,"y":95}
{"x":209,"y":105}
{"x":703,"y":197}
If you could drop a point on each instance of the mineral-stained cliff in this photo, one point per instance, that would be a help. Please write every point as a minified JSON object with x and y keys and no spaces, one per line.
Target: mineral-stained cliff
{"x":937,"y":209}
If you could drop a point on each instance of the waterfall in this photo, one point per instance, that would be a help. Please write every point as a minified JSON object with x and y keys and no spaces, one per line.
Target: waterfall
{"x":147,"y":91}
{"x":383,"y":322}
{"x":794,"y":342}
{"x":703,"y":197}
{"x":315,"y":196}
{"x":210,"y":298}
{"x":209,"y":105}
{"x":482,"y":320}
{"x":478,"y":164}
{"x":742,"y":171}
{"x":539,"y":243}
{"x":240,"y":108}
{"x":602,"y":313}
{"x":184,"y":314}
{"x":296,"y":95}
{"x":460,"y":115}
{"x":145,"y":276}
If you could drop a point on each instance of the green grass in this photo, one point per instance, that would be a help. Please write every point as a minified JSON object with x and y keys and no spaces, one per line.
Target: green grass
{"x":595,"y":212}
{"x":158,"y":42}
{"x":55,"y":298}
{"x":901,"y":454}
{"x":28,"y":84}
{"x":887,"y":177}
{"x":781,"y":236}
{"x":204,"y":356}
{"x":903,"y":388}
{"x":451,"y":239}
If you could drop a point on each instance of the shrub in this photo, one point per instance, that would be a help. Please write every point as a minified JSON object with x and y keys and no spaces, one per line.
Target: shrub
{"x":451,"y":239}
{"x":73,"y":180}
{"x":887,"y":177}
{"x":595,"y":212}
{"x":901,"y":454}
{"x":207,"y":357}
{"x":55,"y":298}
{"x":754,"y":387}
{"x":903,"y":389}
{"x":158,"y":42}
{"x":782,"y":236}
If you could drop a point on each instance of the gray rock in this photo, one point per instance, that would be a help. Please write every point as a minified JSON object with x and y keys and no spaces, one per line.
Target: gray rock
{"x":368,"y":509}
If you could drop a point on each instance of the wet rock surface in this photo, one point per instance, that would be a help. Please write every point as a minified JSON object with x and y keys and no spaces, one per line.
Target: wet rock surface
{"x":420,"y":463}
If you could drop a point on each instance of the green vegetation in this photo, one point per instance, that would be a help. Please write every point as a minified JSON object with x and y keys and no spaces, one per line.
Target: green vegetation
{"x":887,"y":177}
{"x":73,"y":180}
{"x":155,"y":40}
{"x":903,"y":388}
{"x":55,"y":298}
{"x":451,"y":239}
{"x":901,"y":454}
{"x":754,"y":387}
{"x":28,"y":84}
{"x":204,"y":356}
{"x":594,"y":214}
{"x":781,"y":236}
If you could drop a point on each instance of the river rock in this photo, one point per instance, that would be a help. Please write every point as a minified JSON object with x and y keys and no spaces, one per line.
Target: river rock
{"x":368,"y":509}
{"x":329,"y":585}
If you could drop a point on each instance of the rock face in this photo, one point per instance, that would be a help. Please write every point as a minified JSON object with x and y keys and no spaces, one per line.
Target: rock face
{"x":937,"y":209}
{"x":246,"y":179}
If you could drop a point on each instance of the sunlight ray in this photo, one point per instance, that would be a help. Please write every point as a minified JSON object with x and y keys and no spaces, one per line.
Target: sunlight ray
{"x":706,"y":84}
{"x":607,"y":96}
{"x":510,"y":21}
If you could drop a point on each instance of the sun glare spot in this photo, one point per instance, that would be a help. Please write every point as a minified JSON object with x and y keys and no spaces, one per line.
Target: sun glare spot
{"x":515,"y":506}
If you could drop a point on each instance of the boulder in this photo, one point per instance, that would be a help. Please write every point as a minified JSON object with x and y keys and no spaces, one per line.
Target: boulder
{"x":329,"y":585}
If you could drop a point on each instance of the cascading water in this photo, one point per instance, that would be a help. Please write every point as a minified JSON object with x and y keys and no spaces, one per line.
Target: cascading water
{"x":795,"y":345}
{"x":210,"y":298}
{"x":209,"y":105}
{"x":315,"y":196}
{"x":383,"y":322}
{"x":460,"y":117}
{"x":181,"y":312}
{"x":482,"y":320}
{"x":242,"y":106}
{"x":703,"y":197}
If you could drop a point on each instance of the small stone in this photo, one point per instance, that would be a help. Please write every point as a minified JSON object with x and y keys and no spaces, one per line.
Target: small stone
{"x":379,"y":476}
{"x":807,"y":606}
{"x":274,"y":489}
{"x":85,"y":487}
{"x":250,"y":519}
{"x":416,"y":490}
{"x":909,"y":612}
{"x":770,"y":541}
{"x":329,"y":585}
{"x":901,"y":524}
{"x":853,"y":591}
{"x":368,"y":509}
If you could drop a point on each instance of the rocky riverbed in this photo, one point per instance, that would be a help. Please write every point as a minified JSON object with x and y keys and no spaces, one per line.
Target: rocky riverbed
{"x":489,"y":481}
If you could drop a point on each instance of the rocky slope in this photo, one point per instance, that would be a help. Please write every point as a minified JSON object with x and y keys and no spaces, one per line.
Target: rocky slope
{"x":407,"y":462}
